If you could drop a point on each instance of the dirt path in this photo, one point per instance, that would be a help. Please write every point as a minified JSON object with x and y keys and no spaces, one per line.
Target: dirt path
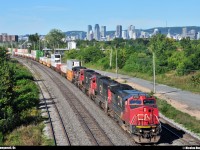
{"x":179,"y":106}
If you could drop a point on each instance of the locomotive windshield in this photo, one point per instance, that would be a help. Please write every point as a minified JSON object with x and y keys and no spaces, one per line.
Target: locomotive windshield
{"x":135,"y":103}
{"x":149,"y":102}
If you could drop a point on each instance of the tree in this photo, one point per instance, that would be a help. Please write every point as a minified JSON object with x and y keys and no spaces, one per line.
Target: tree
{"x":163,"y":48}
{"x":34,"y":39}
{"x":7,"y":79}
{"x":55,"y":39}
{"x":3,"y":55}
{"x":91,"y":54}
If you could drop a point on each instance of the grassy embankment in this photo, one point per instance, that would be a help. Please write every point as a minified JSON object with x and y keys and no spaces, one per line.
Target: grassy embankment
{"x":30,"y":130}
{"x":170,"y":79}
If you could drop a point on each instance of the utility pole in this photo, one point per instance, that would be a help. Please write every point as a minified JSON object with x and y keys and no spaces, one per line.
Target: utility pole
{"x":12,"y":48}
{"x":39,"y":44}
{"x":154,"y":74}
{"x":116,"y":64}
{"x":111,"y":58}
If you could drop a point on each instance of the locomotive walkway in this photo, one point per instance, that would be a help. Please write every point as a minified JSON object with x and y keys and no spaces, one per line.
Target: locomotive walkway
{"x":184,"y":101}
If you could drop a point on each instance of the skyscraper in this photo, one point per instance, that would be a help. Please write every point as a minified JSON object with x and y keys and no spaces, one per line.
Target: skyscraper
{"x":88,"y":32}
{"x":96,"y":32}
{"x":198,"y":35}
{"x":131,"y":30}
{"x":124,"y":34}
{"x":184,"y":32}
{"x":103,"y":31}
{"x":118,"y":33}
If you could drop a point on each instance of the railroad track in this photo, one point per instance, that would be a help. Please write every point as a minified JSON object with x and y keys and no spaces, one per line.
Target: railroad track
{"x":95,"y":133}
{"x":170,"y":135}
{"x":173,"y":135}
{"x":59,"y":133}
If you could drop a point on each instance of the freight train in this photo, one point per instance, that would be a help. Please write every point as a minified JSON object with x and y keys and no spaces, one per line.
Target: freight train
{"x":135,"y":111}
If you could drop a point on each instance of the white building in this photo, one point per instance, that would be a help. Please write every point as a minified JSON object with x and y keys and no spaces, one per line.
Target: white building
{"x":198,"y":35}
{"x":124,"y":34}
{"x":144,"y":34}
{"x":131,"y":31}
{"x":71,"y":45}
{"x":168,"y":34}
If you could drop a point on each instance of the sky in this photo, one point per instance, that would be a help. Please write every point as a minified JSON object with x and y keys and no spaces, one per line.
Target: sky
{"x":19,"y":17}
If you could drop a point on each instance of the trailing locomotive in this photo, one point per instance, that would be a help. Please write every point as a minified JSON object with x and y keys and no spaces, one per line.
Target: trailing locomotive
{"x":135,"y":111}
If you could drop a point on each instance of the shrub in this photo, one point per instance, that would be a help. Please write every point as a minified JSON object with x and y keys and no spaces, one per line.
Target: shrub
{"x":1,"y":138}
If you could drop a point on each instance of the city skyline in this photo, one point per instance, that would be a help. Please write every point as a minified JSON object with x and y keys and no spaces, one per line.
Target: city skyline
{"x":22,"y":17}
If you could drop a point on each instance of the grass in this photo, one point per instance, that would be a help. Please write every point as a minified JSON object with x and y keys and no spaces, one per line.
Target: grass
{"x":189,"y":122}
{"x":170,"y":78}
{"x":28,"y":130}
{"x":31,"y":135}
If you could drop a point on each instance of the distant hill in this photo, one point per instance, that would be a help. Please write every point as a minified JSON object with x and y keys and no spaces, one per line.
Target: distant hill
{"x":173,"y":30}
{"x":164,"y":30}
{"x":75,"y":33}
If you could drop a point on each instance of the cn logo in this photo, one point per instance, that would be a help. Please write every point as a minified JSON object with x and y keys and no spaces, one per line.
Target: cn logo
{"x":144,"y":117}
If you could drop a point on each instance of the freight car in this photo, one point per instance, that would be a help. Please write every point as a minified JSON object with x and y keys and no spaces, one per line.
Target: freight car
{"x":55,"y":60}
{"x":70,"y":65}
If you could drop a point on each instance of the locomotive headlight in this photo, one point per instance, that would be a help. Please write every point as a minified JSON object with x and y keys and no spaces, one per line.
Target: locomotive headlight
{"x":153,"y":130}
{"x":140,"y":130}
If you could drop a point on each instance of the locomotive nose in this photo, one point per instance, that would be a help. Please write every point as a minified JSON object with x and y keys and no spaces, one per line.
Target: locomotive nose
{"x":145,"y":109}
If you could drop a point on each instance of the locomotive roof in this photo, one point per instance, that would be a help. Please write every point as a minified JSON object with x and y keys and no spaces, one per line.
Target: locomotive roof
{"x":109,"y":82}
{"x":120,"y":86}
{"x":78,"y":68}
{"x":88,"y":70}
{"x":125,"y":94}
{"x":99,"y":76}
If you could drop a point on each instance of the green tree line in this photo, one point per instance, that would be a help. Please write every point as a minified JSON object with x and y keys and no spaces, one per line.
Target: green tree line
{"x":18,"y":94}
{"x":182,"y":56}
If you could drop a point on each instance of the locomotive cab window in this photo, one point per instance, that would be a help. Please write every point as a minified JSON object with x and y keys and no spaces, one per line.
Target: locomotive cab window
{"x":149,"y":102}
{"x":135,"y":103}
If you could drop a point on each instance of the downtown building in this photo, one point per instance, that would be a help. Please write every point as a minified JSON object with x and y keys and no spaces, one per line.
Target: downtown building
{"x":192,"y":34}
{"x":118,"y":33}
{"x":4,"y":37}
{"x":131,"y":32}
{"x":103,"y":33}
{"x":97,"y":32}
{"x":89,"y":33}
